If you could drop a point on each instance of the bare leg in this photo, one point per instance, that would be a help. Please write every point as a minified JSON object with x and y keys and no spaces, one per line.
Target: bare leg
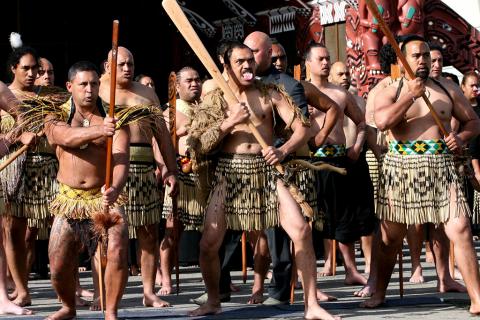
{"x":62,"y":251}
{"x":369,"y":288}
{"x":116,"y":272}
{"x":95,"y":306}
{"x":391,"y":241}
{"x":441,"y":248}
{"x":166,"y":257}
{"x":148,"y":241}
{"x":459,"y":232}
{"x":300,"y":232}
{"x":15,"y":229}
{"x":6,"y":306}
{"x":366,"y":242}
{"x":261,"y":265}
{"x":415,"y":243}
{"x":352,"y":276}
{"x":212,"y":237}
{"x":428,"y":253}
{"x":30,"y":238}
{"x":327,"y":267}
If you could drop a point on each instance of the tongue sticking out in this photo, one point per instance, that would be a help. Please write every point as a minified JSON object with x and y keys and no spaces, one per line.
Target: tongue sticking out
{"x":248,"y":76}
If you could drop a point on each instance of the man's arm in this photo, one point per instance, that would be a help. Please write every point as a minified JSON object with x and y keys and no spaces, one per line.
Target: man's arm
{"x":353,"y":111}
{"x":463,"y":112}
{"x":62,"y":134}
{"x":322,"y":102}
{"x":8,"y":102}
{"x":120,"y":165}
{"x":388,"y":113}
{"x":162,"y":136}
{"x":297,"y":139}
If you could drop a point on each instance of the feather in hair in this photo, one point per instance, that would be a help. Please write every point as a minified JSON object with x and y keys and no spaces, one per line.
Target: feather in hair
{"x":15,"y":40}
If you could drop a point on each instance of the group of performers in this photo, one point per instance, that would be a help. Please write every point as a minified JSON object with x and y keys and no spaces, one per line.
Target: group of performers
{"x":218,"y":178}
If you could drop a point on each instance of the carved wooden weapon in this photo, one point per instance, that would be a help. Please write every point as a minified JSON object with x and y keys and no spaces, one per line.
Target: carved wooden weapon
{"x":183,"y":25}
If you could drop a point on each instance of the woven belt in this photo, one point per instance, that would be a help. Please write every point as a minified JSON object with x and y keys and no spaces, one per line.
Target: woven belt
{"x":418,"y":147}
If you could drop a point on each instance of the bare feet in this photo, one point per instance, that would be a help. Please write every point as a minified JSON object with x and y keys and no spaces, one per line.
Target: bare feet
{"x":269,"y":275}
{"x":165,"y":291}
{"x":23,"y":301}
{"x":367,"y":269}
{"x":79,"y":302}
{"x":84,"y":293}
{"x":417,"y":276}
{"x":256,"y":298}
{"x":450,"y":286}
{"x":373,"y":302}
{"x":323,"y":297}
{"x":62,"y":314}
{"x":234,"y":288}
{"x":151,"y":300}
{"x":134,"y":271}
{"x":317,"y":312}
{"x":457,"y":275}
{"x":206,"y":309}
{"x":365,"y":292}
{"x":429,"y":257}
{"x":354,"y":278}
{"x":13,"y":295}
{"x":111,"y":316}
{"x":474,"y":310}
{"x":158,"y":277}
{"x":8,"y":307}
{"x":82,"y":269}
{"x":326,"y":271}
{"x":95,"y":305}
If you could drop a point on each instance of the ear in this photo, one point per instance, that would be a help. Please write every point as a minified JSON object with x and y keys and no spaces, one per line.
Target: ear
{"x":13,"y":69}
{"x":68,"y":85}
{"x":106,"y":66}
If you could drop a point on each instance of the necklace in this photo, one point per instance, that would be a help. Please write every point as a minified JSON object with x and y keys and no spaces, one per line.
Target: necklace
{"x":86,"y":121}
{"x":85,"y":124}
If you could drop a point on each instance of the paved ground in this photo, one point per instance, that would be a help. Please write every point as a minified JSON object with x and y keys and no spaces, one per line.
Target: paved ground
{"x":419,"y":300}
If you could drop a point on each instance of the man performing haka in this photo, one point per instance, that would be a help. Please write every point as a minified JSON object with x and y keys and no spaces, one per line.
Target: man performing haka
{"x":247,"y":194}
{"x":81,"y":152}
{"x":146,"y":140}
{"x":419,"y":182}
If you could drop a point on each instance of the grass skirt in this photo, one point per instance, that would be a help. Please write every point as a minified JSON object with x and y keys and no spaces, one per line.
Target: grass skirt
{"x":416,"y":189}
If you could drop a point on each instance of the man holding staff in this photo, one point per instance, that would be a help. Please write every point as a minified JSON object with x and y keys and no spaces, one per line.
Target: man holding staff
{"x":80,"y":148}
{"x":247,"y":193}
{"x":419,"y":183}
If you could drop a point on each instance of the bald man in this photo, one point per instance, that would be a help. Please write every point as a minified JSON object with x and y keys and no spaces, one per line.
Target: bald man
{"x":303,"y":94}
{"x":362,"y":199}
{"x":144,"y":203}
{"x":334,"y":191}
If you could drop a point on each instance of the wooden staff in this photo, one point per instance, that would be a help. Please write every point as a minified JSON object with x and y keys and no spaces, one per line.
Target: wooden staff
{"x":172,"y":109}
{"x":452,"y":260}
{"x":108,"y":171}
{"x":13,"y":156}
{"x":183,"y":25}
{"x":374,"y":10}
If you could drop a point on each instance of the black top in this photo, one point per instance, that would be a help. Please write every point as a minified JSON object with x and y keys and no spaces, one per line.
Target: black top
{"x":293,"y":87}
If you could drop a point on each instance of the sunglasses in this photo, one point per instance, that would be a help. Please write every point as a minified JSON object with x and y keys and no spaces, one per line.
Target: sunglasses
{"x":281,"y":58}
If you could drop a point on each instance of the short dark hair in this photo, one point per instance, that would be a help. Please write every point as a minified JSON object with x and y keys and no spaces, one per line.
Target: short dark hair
{"x":228,"y":53}
{"x":435,"y":47}
{"x":468,"y":75}
{"x":387,"y":58}
{"x":79,"y":67}
{"x":311,"y":46}
{"x":409,"y":38}
{"x":451,"y":76}
{"x":223,"y":46}
{"x":17,"y":54}
{"x":179,"y":72}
